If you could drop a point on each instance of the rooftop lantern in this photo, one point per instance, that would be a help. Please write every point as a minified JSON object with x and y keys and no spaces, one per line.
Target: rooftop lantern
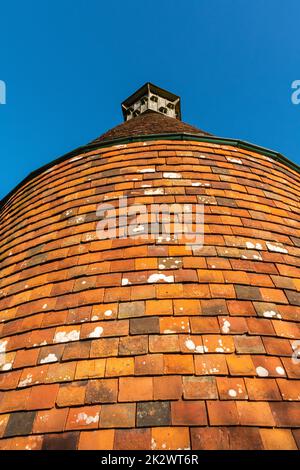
{"x":151,"y":98}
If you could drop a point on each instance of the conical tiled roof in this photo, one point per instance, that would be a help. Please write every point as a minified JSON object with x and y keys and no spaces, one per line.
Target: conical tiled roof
{"x":149,"y":123}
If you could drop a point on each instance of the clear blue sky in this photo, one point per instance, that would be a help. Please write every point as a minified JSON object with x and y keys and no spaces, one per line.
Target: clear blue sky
{"x":68,"y":64}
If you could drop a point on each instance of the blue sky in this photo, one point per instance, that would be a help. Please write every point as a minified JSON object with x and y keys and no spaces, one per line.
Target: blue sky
{"x":68,"y":65}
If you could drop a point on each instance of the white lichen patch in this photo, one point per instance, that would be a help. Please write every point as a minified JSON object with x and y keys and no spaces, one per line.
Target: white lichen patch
{"x":185,"y":325}
{"x":161,"y":239}
{"x":146,"y":170}
{"x":254,"y":246}
{"x":3,"y":345}
{"x":201,"y":349}
{"x":276,"y":247}
{"x":226,"y":326}
{"x":197,"y":184}
{"x":26,"y":381}
{"x":190,"y":344}
{"x":168,"y":332}
{"x":108,"y":313}
{"x":213,"y":370}
{"x":232,"y":393}
{"x":6,"y":366}
{"x":295,"y":345}
{"x":50,"y":358}
{"x":154,"y":192}
{"x":138,"y":229}
{"x":95,"y":318}
{"x":234,"y":160}
{"x":45,"y":306}
{"x":96,"y":333}
{"x":125,"y":281}
{"x":43,"y":418}
{"x":89,"y":237}
{"x":160,"y":277}
{"x":221,"y":348}
{"x":169,"y":263}
{"x":65,"y":337}
{"x":83,"y":320}
{"x":87,"y":419}
{"x":120,"y":146}
{"x":280,"y":370}
{"x":68,"y":213}
{"x":79,"y":219}
{"x":261,"y":371}
{"x":43,"y":343}
{"x":153,"y":444}
{"x":271,"y":314}
{"x":172,"y":175}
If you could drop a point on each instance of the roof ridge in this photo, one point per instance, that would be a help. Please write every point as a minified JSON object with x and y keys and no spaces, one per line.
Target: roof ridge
{"x":150,"y":122}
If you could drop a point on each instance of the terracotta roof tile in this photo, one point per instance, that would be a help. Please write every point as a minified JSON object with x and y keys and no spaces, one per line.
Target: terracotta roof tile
{"x":255,"y":413}
{"x":278,"y":439}
{"x":222,"y":413}
{"x":97,"y":440}
{"x":149,"y":123}
{"x":286,"y":414}
{"x":132,"y":439}
{"x":66,"y":441}
{"x":50,"y":421}
{"x":71,"y":394}
{"x":86,"y":417}
{"x":167,"y":387}
{"x":188,"y":413}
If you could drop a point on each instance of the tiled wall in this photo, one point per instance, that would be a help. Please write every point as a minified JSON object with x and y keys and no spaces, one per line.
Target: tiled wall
{"x":93,"y":355}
